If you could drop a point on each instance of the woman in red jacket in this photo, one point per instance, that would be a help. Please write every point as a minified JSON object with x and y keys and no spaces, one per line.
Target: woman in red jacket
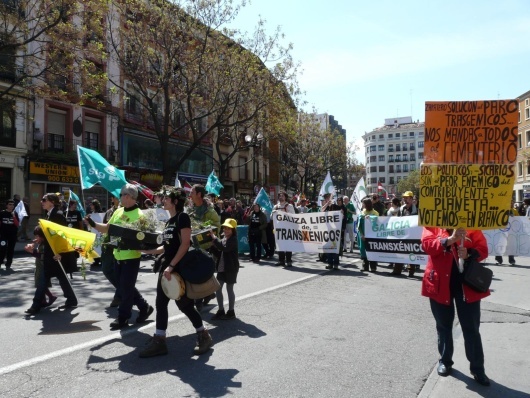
{"x":443,"y":284}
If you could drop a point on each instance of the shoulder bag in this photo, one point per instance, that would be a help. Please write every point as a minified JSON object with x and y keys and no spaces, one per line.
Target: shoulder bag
{"x":477,"y":276}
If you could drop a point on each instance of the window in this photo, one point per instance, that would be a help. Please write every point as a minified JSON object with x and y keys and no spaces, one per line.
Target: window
{"x":391,"y":180}
{"x":398,"y":147}
{"x":178,"y":119}
{"x":7,"y":61}
{"x":527,"y":133}
{"x":405,"y":157}
{"x":420,"y":144}
{"x":405,"y":168}
{"x":411,"y":146}
{"x":381,"y":148}
{"x":412,"y":157}
{"x":398,"y":178}
{"x":398,"y":135}
{"x":381,"y":158}
{"x":92,"y":131}
{"x":373,"y":148}
{"x":391,"y":168}
{"x":519,"y":141}
{"x":398,"y":168}
{"x":373,"y":169}
{"x":391,"y":148}
{"x":381,"y":137}
{"x":390,"y":135}
{"x":398,"y":158}
{"x":527,"y":113}
{"x":373,"y":158}
{"x":519,"y":169}
{"x":390,"y":158}
{"x":373,"y":180}
{"x":382,"y":170}
{"x":420,"y":155}
{"x":411,"y":134}
{"x":7,"y":128}
{"x":56,"y":130}
{"x":412,"y":167}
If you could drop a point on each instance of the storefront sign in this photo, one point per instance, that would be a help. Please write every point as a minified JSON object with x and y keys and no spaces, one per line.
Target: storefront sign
{"x":53,"y":172}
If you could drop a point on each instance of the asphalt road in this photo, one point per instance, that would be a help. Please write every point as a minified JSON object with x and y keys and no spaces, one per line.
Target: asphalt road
{"x":299,"y":332}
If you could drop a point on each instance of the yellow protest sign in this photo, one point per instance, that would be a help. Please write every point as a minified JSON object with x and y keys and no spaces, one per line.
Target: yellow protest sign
{"x":469,"y":196}
{"x":64,"y":239}
{"x":468,"y":173}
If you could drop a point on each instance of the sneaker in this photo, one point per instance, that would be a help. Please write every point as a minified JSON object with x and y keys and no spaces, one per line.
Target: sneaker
{"x":230,"y":314}
{"x":119,"y":324}
{"x":32,"y":311}
{"x":204,"y":342}
{"x":218,"y":315}
{"x":143,"y":315}
{"x":115,"y":302}
{"x":280,"y":264}
{"x":156,"y":346}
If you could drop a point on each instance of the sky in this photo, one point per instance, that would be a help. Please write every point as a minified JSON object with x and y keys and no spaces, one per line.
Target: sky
{"x":365,"y":61}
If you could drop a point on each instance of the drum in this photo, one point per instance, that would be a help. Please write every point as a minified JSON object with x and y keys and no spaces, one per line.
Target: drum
{"x":174,"y":288}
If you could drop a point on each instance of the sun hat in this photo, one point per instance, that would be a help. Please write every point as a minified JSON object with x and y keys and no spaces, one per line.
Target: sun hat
{"x":408,"y":193}
{"x":230,"y":223}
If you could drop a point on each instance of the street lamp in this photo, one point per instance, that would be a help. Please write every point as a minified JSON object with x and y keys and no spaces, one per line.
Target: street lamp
{"x":254,"y":142}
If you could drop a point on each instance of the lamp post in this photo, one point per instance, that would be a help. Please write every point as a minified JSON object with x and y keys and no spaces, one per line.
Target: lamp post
{"x":255,"y":142}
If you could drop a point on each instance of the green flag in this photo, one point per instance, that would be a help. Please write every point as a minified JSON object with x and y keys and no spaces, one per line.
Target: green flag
{"x":213,"y":185}
{"x":94,"y":169}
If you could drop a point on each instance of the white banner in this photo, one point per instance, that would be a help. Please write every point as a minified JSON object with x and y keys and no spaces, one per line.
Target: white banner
{"x":394,"y":240}
{"x":397,"y":239}
{"x":308,"y":232}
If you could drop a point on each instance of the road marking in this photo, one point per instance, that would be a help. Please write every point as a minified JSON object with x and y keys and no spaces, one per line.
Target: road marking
{"x":127,"y":331}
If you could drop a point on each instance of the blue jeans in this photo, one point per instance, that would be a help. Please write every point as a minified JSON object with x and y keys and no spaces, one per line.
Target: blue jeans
{"x":469,"y":317}
{"x":126,"y":275}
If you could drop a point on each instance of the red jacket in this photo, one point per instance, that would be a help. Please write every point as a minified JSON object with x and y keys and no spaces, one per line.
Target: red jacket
{"x":437,"y":274}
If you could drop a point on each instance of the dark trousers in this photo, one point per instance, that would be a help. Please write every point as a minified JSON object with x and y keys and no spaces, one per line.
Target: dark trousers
{"x":511,"y":259}
{"x":185,"y":305}
{"x":254,"y":243}
{"x":108,"y":267}
{"x":271,"y":242}
{"x":7,"y":251}
{"x":43,"y":283}
{"x":283,"y":256}
{"x":126,"y":275}
{"x":469,"y":317}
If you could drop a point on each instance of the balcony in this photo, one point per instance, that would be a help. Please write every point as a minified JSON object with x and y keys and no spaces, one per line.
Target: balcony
{"x":58,"y":145}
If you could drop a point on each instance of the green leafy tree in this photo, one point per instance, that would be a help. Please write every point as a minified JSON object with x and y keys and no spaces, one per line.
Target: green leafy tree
{"x":410,"y":183}
{"x":192,"y":80}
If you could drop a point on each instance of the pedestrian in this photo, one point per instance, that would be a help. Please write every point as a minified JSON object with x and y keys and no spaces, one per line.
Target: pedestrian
{"x":8,"y":233}
{"x":339,"y":205}
{"x":350,"y":227}
{"x":367,"y":211}
{"x":333,"y":258}
{"x":407,"y":209}
{"x":53,"y":267}
{"x":176,"y":242}
{"x":23,"y":228}
{"x":511,"y":257}
{"x":203,"y":213}
{"x":127,"y":263}
{"x":284,"y":257}
{"x":107,"y":260}
{"x":36,"y":250}
{"x":444,"y":285}
{"x":257,"y":225}
{"x":95,"y":206}
{"x":378,"y":206}
{"x":73,"y":216}
{"x":227,"y":268}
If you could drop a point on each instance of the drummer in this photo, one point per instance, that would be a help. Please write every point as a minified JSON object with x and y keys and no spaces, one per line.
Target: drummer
{"x":174,"y":247}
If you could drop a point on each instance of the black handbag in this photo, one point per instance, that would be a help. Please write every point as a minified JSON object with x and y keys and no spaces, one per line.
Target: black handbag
{"x":197,"y":266}
{"x":477,"y":276}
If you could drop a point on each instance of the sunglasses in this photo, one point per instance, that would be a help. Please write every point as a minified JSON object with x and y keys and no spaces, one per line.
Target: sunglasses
{"x":44,"y":200}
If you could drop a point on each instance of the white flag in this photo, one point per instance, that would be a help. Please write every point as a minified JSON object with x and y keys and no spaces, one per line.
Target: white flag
{"x":358,"y":195}
{"x":21,"y":210}
{"x":327,"y":187}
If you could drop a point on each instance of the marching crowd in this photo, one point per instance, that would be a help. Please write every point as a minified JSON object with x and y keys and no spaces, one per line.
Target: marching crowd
{"x":442,"y":282}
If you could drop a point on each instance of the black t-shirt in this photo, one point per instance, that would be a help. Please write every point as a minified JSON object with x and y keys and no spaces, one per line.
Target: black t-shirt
{"x":73,"y":218}
{"x":171,"y":234}
{"x":7,"y":223}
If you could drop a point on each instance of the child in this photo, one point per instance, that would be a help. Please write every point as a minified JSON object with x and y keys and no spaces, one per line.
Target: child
{"x":35,"y":249}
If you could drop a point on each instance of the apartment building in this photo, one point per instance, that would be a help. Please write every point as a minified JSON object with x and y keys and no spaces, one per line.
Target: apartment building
{"x":522,"y":183}
{"x":392,"y":151}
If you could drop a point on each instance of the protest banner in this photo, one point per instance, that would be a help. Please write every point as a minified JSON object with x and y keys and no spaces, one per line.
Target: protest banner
{"x":469,"y":163}
{"x":308,"y":232}
{"x":394,"y":240}
{"x":64,"y":239}
{"x":513,"y":240}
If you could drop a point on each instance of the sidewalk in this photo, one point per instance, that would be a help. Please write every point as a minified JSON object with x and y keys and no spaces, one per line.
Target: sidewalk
{"x":505,"y":331}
